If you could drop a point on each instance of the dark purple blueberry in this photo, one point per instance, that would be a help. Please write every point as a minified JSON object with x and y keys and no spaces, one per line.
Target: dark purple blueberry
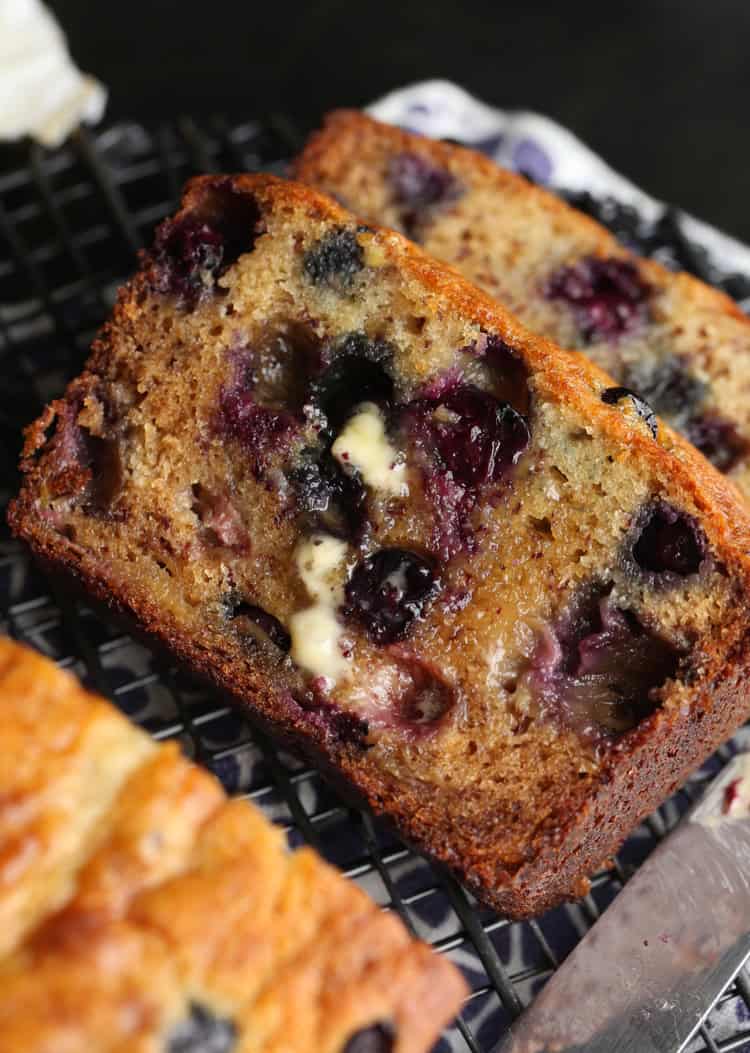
{"x":484,"y":439}
{"x":192,"y":251}
{"x":105,"y":464}
{"x":188,"y":255}
{"x":260,"y":430}
{"x":509,"y":376}
{"x":88,"y":465}
{"x":476,"y":437}
{"x":419,"y":186}
{"x":669,"y":541}
{"x":262,"y":405}
{"x":334,"y":499}
{"x":418,"y":183}
{"x":334,"y":260}
{"x":597,"y":669}
{"x":240,"y":612}
{"x":316,"y":708}
{"x":359,"y":371}
{"x":378,"y":1038}
{"x":202,"y":1032}
{"x":608,"y":296}
{"x":668,"y":385}
{"x":614,"y":395}
{"x":465,"y":439}
{"x":388,"y":590}
{"x":717,"y":439}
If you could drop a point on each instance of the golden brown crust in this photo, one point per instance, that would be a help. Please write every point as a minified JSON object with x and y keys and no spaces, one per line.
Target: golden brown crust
{"x":173,"y":896}
{"x":587,"y":826}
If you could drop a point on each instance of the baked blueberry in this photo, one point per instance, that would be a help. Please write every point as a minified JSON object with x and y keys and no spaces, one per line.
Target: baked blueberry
{"x":608,"y":296}
{"x":477,"y":437}
{"x":248,"y":615}
{"x":191,"y":251}
{"x":359,"y":372}
{"x":220,"y":518}
{"x":260,"y":430}
{"x":262,"y":404}
{"x":388,"y":590}
{"x":202,"y":1032}
{"x":419,"y":186}
{"x":718,"y":440}
{"x":465,"y":439}
{"x":418,"y":183}
{"x":88,"y":466}
{"x":426,"y":698}
{"x":378,"y":1038}
{"x":668,"y":541}
{"x":669,"y":385}
{"x":334,"y":260}
{"x":334,"y":499}
{"x":335,"y":723}
{"x":614,"y":395}
{"x":597,"y":668}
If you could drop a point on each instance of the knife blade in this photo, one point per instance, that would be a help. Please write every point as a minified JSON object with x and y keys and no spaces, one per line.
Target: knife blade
{"x":648,"y":971}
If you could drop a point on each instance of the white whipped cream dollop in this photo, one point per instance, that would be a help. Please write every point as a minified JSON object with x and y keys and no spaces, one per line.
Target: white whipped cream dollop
{"x":364,"y":445}
{"x":42,"y":93}
{"x":315,"y":631}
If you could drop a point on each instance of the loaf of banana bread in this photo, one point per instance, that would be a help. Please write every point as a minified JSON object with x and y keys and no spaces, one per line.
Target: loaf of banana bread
{"x":143,"y":912}
{"x":680,"y":345}
{"x":477,"y":582}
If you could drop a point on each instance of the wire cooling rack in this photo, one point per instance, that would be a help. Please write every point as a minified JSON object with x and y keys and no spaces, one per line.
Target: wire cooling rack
{"x":71,"y":222}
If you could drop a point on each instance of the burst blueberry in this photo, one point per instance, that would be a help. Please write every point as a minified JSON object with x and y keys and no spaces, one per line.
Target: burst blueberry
{"x":240,"y":611}
{"x":359,"y":371}
{"x":611,"y":396}
{"x":388,"y":590}
{"x":202,"y":1032}
{"x":190,"y":253}
{"x":259,"y":429}
{"x":419,"y":187}
{"x":478,"y":437}
{"x":669,"y":541}
{"x":718,"y":440}
{"x":378,"y":1038}
{"x":334,"y":499}
{"x":335,"y":260}
{"x":608,"y":296}
{"x":597,"y":669}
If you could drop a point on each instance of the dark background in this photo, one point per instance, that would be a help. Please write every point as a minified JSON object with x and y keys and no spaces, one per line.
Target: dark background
{"x":661,"y":88}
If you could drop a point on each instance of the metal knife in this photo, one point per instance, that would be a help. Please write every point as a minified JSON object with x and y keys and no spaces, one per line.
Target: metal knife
{"x":645,"y":975}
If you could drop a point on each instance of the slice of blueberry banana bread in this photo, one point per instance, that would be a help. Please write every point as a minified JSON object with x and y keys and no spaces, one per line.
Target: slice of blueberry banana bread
{"x":683,"y":347}
{"x":143,"y":912}
{"x":506,"y":605}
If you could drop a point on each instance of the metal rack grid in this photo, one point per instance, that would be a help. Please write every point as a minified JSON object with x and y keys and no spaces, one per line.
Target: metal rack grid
{"x":71,"y":222}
